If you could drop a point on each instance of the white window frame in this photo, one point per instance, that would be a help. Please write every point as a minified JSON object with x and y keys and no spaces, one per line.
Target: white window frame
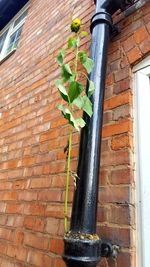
{"x":11,"y":29}
{"x":142,"y":163}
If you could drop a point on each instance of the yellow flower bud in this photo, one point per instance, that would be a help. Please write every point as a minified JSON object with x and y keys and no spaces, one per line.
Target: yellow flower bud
{"x":75,"y":25}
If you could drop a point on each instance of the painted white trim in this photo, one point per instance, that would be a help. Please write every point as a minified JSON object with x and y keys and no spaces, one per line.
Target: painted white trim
{"x":142,"y":140}
{"x":140,"y":66}
{"x":25,"y":7}
{"x":11,"y":29}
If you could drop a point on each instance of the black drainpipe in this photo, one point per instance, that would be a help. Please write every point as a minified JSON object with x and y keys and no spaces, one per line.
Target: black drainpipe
{"x":83,"y":247}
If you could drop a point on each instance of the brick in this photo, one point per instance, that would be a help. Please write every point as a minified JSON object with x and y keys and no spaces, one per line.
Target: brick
{"x":56,"y":211}
{"x":121,"y":112}
{"x":20,"y":184}
{"x":121,"y":236}
{"x":122,"y":74}
{"x":140,"y":35}
{"x":129,"y":43}
{"x":115,"y":158}
{"x":35,"y":241}
{"x":134,"y":55}
{"x":117,"y":128}
{"x":103,"y":177}
{"x":58,"y":181}
{"x":19,"y":237}
{"x":105,"y":145}
{"x":34,"y":209}
{"x":124,"y":259}
{"x":6,"y":234}
{"x":107,"y":117}
{"x":7,"y":263}
{"x":8,"y":195}
{"x":15,"y":174}
{"x":121,"y":215}
{"x":14,"y":208}
{"x":121,"y":86}
{"x":39,"y":225}
{"x":50,"y":195}
{"x":2,"y":207}
{"x":39,"y":259}
{"x":29,"y":222}
{"x":121,"y":141}
{"x":122,"y":175}
{"x":59,"y":262}
{"x":17,"y":252}
{"x":27,"y":196}
{"x":52,"y":226}
{"x":3,"y":247}
{"x":40,"y":183}
{"x":16,"y":221}
{"x":115,"y":194}
{"x":109,"y":79}
{"x":5,"y":185}
{"x":145,"y":46}
{"x":3,"y":219}
{"x":56,"y":246}
{"x":117,"y":101}
{"x":102,"y":214}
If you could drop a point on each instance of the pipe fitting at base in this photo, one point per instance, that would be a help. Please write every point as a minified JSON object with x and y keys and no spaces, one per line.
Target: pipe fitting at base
{"x":81,"y":252}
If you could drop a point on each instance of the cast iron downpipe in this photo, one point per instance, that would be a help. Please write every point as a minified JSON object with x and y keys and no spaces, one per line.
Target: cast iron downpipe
{"x":82,"y":247}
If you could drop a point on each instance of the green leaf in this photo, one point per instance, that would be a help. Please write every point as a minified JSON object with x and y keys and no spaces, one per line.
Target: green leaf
{"x":68,"y":116}
{"x":79,"y":102}
{"x":70,"y":42}
{"x":86,"y":62}
{"x":80,"y":122}
{"x":83,"y":56}
{"x":75,"y":90}
{"x":87,"y":106}
{"x":62,"y":90}
{"x":90,"y":88}
{"x":66,"y":72}
{"x":60,"y":57}
{"x":88,"y":65}
{"x":84,"y":33}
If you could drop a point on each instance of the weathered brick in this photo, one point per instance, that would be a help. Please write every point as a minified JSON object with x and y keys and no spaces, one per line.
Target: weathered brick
{"x":140,"y":35}
{"x":117,"y":128}
{"x":121,"y":236}
{"x":39,"y":259}
{"x":121,"y":141}
{"x":122,"y":175}
{"x":56,"y":246}
{"x":134,"y":55}
{"x":52,"y":226}
{"x":40,"y":242}
{"x":115,"y":194}
{"x":117,"y":101}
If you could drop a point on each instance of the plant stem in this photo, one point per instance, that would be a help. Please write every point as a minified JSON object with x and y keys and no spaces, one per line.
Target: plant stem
{"x":69,"y":149}
{"x":67,"y":182}
{"x":76,"y":58}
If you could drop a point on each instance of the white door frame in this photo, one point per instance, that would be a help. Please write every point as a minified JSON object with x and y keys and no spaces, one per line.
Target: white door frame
{"x":142,"y":159}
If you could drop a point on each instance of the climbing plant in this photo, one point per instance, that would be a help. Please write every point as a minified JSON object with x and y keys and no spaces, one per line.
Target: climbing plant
{"x":75,"y":94}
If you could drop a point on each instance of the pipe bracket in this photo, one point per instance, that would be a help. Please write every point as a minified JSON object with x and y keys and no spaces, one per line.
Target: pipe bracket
{"x":109,"y":250}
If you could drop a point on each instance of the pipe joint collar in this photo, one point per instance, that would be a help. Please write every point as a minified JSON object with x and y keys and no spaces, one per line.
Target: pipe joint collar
{"x":82,"y":253}
{"x":101,"y":17}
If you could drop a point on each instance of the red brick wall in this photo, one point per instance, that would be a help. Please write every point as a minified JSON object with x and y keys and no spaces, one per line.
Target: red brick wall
{"x":33,"y":135}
